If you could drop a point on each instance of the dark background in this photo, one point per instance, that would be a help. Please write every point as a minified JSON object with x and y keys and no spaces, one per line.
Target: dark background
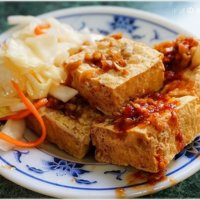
{"x":185,"y":14}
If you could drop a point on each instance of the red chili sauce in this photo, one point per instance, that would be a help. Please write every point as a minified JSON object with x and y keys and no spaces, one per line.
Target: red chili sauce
{"x":177,"y":55}
{"x":143,"y":110}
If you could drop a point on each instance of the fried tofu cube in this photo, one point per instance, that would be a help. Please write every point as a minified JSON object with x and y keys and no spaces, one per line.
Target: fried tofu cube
{"x":149,"y":146}
{"x":69,"y":127}
{"x":114,"y":70}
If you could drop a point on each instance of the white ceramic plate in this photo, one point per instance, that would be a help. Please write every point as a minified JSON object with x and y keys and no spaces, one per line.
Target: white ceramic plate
{"x":52,"y":172}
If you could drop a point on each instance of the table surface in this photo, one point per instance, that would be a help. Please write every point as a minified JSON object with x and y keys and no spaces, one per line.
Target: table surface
{"x":184,"y":14}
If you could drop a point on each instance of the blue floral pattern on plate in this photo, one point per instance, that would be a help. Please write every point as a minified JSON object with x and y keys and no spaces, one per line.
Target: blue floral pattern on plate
{"x":117,"y":173}
{"x":129,"y":25}
{"x":18,"y":154}
{"x":62,"y":168}
{"x":124,"y":24}
{"x":190,"y":150}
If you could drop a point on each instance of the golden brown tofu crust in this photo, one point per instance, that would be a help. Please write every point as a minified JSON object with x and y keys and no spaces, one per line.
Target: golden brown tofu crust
{"x":146,"y":147}
{"x":69,"y":131}
{"x":117,"y":70}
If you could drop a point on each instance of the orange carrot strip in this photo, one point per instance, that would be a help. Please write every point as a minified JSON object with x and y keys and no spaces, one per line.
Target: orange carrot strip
{"x":24,"y":113}
{"x":34,"y":111}
{"x":40,"y":29}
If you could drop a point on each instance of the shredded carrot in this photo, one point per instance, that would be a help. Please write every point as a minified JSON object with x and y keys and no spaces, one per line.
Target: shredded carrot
{"x":24,"y":113}
{"x":34,"y":111}
{"x":39,"y":30}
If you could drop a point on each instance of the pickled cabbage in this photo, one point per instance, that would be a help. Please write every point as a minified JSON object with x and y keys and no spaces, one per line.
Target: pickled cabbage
{"x":35,"y":61}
